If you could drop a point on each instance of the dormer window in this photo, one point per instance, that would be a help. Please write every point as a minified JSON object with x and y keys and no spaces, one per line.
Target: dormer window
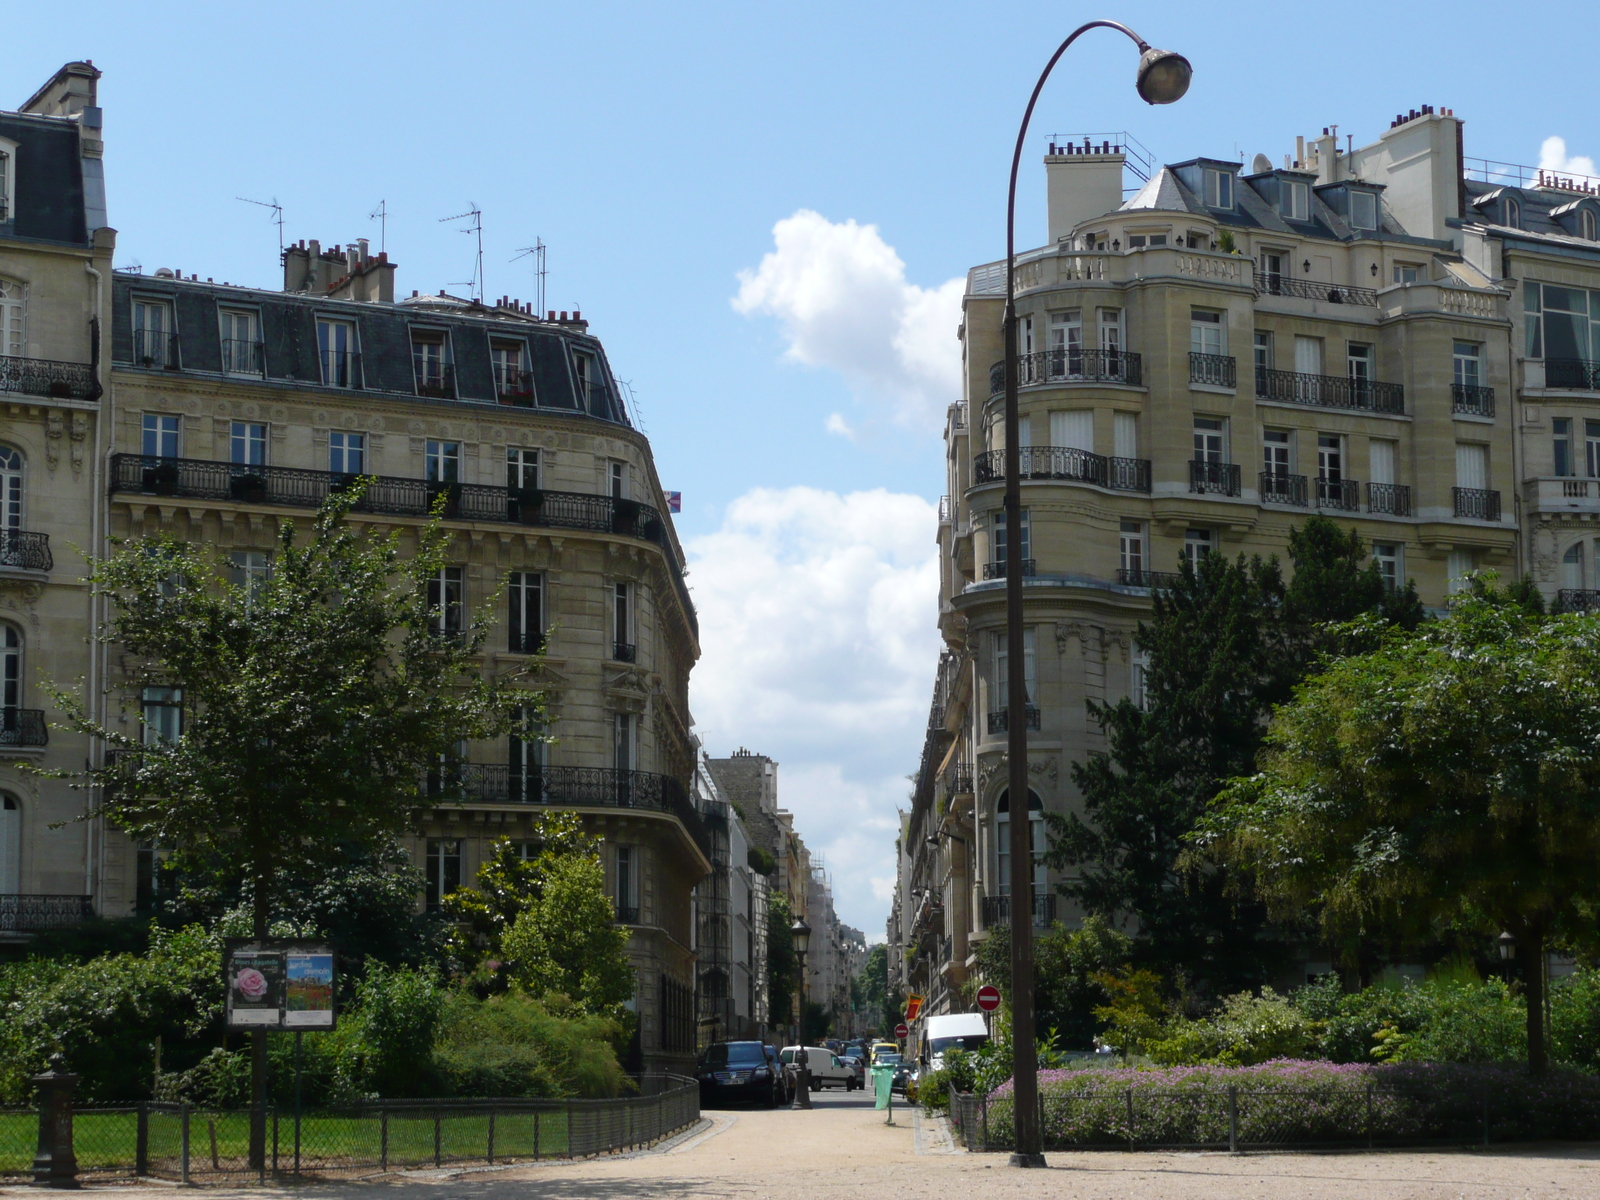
{"x":430,"y":362}
{"x":1296,"y":200}
{"x":1219,"y":189}
{"x":1510,"y":213}
{"x":8,"y":183}
{"x":1586,"y":224}
{"x":1363,"y":210}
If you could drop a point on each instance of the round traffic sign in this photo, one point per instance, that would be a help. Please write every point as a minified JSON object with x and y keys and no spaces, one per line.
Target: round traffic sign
{"x":902,"y":1031}
{"x":988,"y":997}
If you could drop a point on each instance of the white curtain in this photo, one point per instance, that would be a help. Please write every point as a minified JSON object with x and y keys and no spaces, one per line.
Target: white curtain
{"x":1073,"y":429}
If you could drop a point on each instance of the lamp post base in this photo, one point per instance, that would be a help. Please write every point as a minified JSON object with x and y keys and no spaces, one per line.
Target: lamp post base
{"x":802,"y":1091}
{"x":1027,"y":1160}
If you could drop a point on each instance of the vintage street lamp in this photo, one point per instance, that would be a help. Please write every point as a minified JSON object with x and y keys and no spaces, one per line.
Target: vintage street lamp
{"x":800,"y":936}
{"x":1163,"y":77}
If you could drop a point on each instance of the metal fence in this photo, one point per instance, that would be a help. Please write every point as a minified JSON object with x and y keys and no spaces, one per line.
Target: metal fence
{"x":1257,"y":1117}
{"x":185,"y":1144}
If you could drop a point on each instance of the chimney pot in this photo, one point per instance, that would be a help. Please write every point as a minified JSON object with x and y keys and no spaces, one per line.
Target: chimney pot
{"x":552,"y":315}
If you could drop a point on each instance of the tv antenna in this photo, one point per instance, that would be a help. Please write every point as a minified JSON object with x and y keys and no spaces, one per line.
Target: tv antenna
{"x":381,"y":216}
{"x":474,"y":215}
{"x":537,"y":252}
{"x":277,"y":216}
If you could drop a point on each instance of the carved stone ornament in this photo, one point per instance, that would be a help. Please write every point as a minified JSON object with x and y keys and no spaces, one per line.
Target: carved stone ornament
{"x":80,"y":437}
{"x":54,"y":427}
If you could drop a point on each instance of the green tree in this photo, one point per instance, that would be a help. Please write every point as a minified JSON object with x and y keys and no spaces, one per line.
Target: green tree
{"x":1067,"y":964}
{"x":566,"y":942}
{"x":314,"y":701}
{"x":1449,"y":776}
{"x":782,"y":964}
{"x":875,"y":994}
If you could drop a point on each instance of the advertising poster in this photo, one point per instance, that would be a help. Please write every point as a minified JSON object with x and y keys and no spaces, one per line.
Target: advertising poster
{"x":254,"y":975}
{"x":279,"y":984}
{"x":308,"y":990}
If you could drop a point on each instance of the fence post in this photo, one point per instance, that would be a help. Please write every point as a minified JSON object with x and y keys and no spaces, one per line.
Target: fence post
{"x":491,"y":1135}
{"x":183,"y":1161}
{"x":569,"y":1129}
{"x":141,"y":1142}
{"x":1233,"y":1118}
{"x":438,"y":1121}
{"x":536,"y":1115}
{"x":296,"y":1132}
{"x":55,"y":1165}
{"x":274,"y":1140}
{"x":383,"y":1140}
{"x":1369,"y":1114}
{"x":985,"y":1103}
{"x":1485,"y":1116}
{"x":1130,"y":1121}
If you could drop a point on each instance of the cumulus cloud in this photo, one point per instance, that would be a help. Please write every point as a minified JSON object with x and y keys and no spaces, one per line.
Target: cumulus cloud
{"x":1553,"y":157}
{"x":838,"y":425}
{"x":817,"y":612}
{"x":840,"y":293}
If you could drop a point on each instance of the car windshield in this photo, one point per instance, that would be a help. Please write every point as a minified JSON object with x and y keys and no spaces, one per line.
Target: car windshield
{"x":970,"y":1041}
{"x":888,"y":1060}
{"x":739,"y":1054}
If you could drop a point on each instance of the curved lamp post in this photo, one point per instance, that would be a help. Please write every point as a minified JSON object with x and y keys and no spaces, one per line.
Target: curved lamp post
{"x":800,"y":935}
{"x":1163,"y":77}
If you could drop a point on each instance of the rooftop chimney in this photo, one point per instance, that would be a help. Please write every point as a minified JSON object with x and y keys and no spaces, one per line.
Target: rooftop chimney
{"x":1082,"y":182}
{"x":70,"y":90}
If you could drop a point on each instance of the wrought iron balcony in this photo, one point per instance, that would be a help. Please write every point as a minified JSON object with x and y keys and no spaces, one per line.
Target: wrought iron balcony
{"x":999,"y":719}
{"x":1218,"y":370}
{"x":435,"y":379}
{"x":1283,"y":489}
{"x":1329,"y":391}
{"x":1066,"y":462}
{"x":1477,"y":504}
{"x":1577,"y":600}
{"x":628,"y":915}
{"x":34,"y":914}
{"x":624,"y":652}
{"x":23,"y":727}
{"x":44,"y":377}
{"x":994,"y":912}
{"x":997,"y":570}
{"x":572,"y":787}
{"x":1472,"y":400}
{"x":155,"y":348}
{"x":290,"y":487}
{"x":1575,"y":374}
{"x":514,"y":387}
{"x":1215,"y":478}
{"x":1272,"y":283}
{"x":1138,"y":577}
{"x":341,"y":368}
{"x":24,"y":550}
{"x":958,"y":781}
{"x":1389,"y":499}
{"x":526,"y":643}
{"x":1070,"y":366}
{"x":243,"y":358}
{"x":1341,"y":494}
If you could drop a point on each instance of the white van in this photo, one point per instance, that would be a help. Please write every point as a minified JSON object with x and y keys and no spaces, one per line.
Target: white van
{"x":827,"y":1068}
{"x":953,"y":1031}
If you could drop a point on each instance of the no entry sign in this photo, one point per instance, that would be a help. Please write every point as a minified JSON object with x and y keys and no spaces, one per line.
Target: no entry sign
{"x":902,"y":1031}
{"x":988,"y":997}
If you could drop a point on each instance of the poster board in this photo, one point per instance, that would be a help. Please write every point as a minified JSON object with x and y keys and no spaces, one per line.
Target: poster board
{"x":277,"y":984}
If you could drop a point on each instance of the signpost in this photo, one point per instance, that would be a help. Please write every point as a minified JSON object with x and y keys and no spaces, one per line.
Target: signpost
{"x":988,"y":997}
{"x":902,"y":1031}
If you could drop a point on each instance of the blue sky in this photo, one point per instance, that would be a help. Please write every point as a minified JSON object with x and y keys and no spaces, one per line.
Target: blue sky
{"x":655,"y":148}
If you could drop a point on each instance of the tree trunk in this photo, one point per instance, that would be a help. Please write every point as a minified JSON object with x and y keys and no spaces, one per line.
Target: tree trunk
{"x":258,"y":1040}
{"x":1533,"y":974}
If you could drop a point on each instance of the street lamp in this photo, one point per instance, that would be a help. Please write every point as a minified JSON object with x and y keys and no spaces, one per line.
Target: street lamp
{"x":800,"y":938}
{"x":1163,"y":77}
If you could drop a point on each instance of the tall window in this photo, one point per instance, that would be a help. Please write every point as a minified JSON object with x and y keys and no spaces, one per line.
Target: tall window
{"x":1074,"y":429}
{"x":1458,"y":565}
{"x":347,"y":453}
{"x":1111,"y":330}
{"x":10,"y":673}
{"x":1330,"y":457}
{"x":522,"y":469}
{"x":583,"y":367}
{"x":1125,"y":435}
{"x":336,"y":346}
{"x":248,"y":444}
{"x":443,"y":870}
{"x":445,"y":598}
{"x":1511,"y":213}
{"x":617,"y":480}
{"x":622,"y":741}
{"x":1208,"y":447}
{"x":162,"y":709}
{"x":1307,"y":355}
{"x":997,"y":551}
{"x":1561,"y":445}
{"x":1380,"y":460}
{"x":1363,"y":210}
{"x":6,"y":159}
{"x":152,"y":334}
{"x":510,"y":379}
{"x":10,"y":844}
{"x":1296,"y":204}
{"x":443,"y":461}
{"x":627,"y":896}
{"x":1358,"y":363}
{"x":1472,"y":465}
{"x":1263,"y":348}
{"x":526,"y":742}
{"x":1275,"y":452}
{"x":12,"y":340}
{"x":1272,"y":272}
{"x":428,"y":356}
{"x":525,"y":591}
{"x":1219,"y":189}
{"x":1196,"y":545}
{"x":1139,"y":683}
{"x":1572,"y":567}
{"x":1205,"y":331}
{"x":1591,"y":448}
{"x":241,"y":342}
{"x":1467,"y":360}
{"x":249,"y":570}
{"x":10,"y":488}
{"x":1387,"y":556}
{"x":1066,"y":343}
{"x":1002,"y":842}
{"x":622,"y":623}
{"x":1133,"y":548}
{"x":1002,"y":670}
{"x":160,"y":436}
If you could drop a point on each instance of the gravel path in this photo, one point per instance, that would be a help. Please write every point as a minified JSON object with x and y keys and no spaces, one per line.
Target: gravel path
{"x":843,"y":1149}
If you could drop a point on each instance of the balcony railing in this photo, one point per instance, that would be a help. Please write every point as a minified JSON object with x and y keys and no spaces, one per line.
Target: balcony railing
{"x":1472,"y":400}
{"x":627,"y":914}
{"x":1218,"y":370}
{"x":1341,"y":494}
{"x":527,"y":643}
{"x":293,"y":488}
{"x":997,"y":570}
{"x":1389,"y":499}
{"x":1272,"y":283}
{"x":1329,"y":391}
{"x":341,"y":368}
{"x":999,"y":720}
{"x":155,"y":348}
{"x":1138,"y":577}
{"x":624,"y":652}
{"x":1578,"y":600}
{"x":574,"y":787}
{"x":994,"y":912}
{"x":1283,"y":489}
{"x":958,"y":781}
{"x":1477,"y":504}
{"x":1576,"y":374}
{"x":23,"y":727}
{"x":1222,"y":479}
{"x":1066,"y":462}
{"x":436,"y":380}
{"x":1070,"y":366}
{"x":34,"y":914}
{"x":243,"y":358}
{"x":44,"y":377}
{"x":514,"y":387}
{"x":27,"y":551}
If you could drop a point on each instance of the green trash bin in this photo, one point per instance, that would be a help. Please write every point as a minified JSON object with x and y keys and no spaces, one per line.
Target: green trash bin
{"x":882,"y":1085}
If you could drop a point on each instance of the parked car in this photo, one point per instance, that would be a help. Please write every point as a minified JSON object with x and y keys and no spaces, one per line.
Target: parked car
{"x":740,"y":1071}
{"x":827,"y":1068}
{"x":885,"y":1048}
{"x":902,"y":1068}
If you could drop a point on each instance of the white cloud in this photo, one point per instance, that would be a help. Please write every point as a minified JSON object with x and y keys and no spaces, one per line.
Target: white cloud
{"x":819,"y":641}
{"x":1553,"y":157}
{"x":837,"y":424}
{"x":841,"y":294}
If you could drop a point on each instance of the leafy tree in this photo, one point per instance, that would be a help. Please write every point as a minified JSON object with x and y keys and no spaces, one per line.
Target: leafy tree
{"x":782,"y":965}
{"x":1067,"y":964}
{"x":566,"y":942}
{"x":314,"y":701}
{"x":1335,"y":582}
{"x":875,"y":998}
{"x":1451,"y":775}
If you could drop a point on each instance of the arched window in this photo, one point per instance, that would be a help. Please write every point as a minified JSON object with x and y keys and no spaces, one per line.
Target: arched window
{"x":1586,"y":224}
{"x":1002,"y":841}
{"x":1572,"y":567}
{"x":12,"y":340}
{"x":10,"y":844}
{"x":1511,"y":213}
{"x":10,"y":488}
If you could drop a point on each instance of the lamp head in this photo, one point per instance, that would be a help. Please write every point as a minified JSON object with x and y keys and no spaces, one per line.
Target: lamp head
{"x":800,"y":932}
{"x":1507,"y":945}
{"x":1163,"y":75}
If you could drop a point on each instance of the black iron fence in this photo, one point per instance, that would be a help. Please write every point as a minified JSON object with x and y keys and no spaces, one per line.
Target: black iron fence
{"x":995,"y":911}
{"x":1342,"y":494}
{"x":1472,"y":400}
{"x":23,"y":727}
{"x":1066,"y":462}
{"x":1283,"y":489}
{"x":243,"y":357}
{"x":1218,"y":370}
{"x":1391,"y":499}
{"x":1070,"y":365}
{"x":1217,"y":478}
{"x":26,"y":550}
{"x":997,"y":570}
{"x":182,"y":1144}
{"x":1478,"y":504}
{"x":155,"y":348}
{"x":1330,"y":391}
{"x":1278,"y":283}
{"x":32,"y":914}
{"x":1139,"y":577}
{"x":1578,"y":600}
{"x":1000,"y":720}
{"x":46,"y":377}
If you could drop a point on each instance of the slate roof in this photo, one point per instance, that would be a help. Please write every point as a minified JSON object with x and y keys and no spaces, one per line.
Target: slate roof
{"x":49,"y":201}
{"x":1539,"y":210}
